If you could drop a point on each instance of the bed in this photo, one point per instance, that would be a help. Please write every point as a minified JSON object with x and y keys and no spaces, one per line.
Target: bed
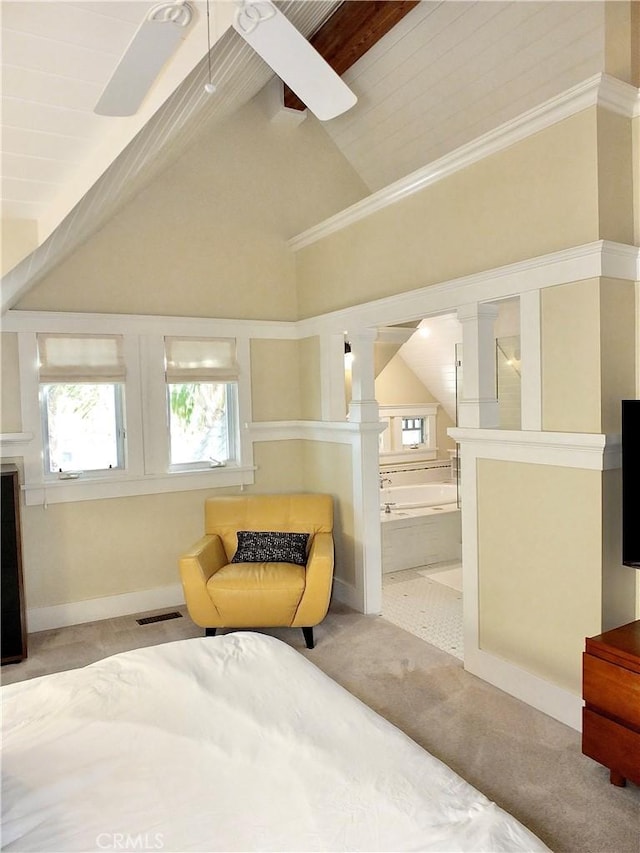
{"x":230,"y":743}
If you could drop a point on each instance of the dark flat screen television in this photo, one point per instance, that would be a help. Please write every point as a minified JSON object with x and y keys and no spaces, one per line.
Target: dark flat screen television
{"x":631,"y":483}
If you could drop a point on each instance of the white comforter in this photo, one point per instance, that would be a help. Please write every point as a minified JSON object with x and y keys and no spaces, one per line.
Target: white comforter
{"x":232,"y":743}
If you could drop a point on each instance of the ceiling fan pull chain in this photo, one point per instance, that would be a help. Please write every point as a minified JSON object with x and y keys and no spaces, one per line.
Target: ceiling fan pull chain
{"x":250,"y":14}
{"x":179,"y":13}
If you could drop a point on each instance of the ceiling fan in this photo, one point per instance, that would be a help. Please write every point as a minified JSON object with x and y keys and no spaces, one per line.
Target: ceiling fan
{"x":261,"y":24}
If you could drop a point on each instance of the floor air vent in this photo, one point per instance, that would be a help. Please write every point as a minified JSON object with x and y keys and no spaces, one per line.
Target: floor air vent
{"x":148,"y":620}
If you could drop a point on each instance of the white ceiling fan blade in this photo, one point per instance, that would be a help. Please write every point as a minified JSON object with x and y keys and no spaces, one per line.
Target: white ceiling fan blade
{"x":293,"y":59}
{"x":155,"y":40}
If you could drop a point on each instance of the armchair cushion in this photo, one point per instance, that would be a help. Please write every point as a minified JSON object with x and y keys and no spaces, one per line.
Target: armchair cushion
{"x":271,"y":547}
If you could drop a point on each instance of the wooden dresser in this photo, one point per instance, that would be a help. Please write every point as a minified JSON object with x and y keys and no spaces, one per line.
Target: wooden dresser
{"x":611,"y":691}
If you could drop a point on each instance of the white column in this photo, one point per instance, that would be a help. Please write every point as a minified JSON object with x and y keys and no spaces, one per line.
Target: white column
{"x":477,"y":403}
{"x":333,"y":402}
{"x":364,"y":406}
{"x":363,"y":410}
{"x":530,"y":361}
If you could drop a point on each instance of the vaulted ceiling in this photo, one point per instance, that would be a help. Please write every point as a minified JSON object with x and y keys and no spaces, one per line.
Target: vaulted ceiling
{"x":447,"y":72}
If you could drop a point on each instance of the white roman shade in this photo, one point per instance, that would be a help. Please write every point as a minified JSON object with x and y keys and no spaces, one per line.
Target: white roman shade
{"x":201,"y":360}
{"x":86,"y":358}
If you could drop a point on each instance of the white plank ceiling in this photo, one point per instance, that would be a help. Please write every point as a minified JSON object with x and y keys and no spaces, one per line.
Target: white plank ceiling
{"x":447,"y":73}
{"x":451,"y":71}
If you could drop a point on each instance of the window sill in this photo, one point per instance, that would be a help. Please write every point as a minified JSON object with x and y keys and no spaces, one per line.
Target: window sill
{"x":87,"y":488}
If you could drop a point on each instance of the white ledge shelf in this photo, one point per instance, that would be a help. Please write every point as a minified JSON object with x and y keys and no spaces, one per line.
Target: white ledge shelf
{"x":596,"y":451}
{"x":11,"y":443}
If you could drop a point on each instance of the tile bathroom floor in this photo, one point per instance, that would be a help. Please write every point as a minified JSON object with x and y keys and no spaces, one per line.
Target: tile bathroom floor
{"x":427,"y":602}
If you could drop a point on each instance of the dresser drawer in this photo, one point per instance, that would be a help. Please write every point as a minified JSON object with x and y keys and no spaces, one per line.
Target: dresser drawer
{"x":611,"y":689}
{"x":611,"y":744}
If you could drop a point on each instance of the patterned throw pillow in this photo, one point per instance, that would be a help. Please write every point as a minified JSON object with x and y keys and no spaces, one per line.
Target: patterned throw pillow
{"x":271,"y":547}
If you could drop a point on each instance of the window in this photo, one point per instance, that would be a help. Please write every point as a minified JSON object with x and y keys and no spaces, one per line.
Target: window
{"x":156,"y":407}
{"x":202,"y":402}
{"x":82,"y":403}
{"x":411,"y":429}
{"x":413,"y":432}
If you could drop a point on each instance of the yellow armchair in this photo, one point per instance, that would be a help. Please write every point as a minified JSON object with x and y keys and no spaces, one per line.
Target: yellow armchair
{"x":222,"y":592}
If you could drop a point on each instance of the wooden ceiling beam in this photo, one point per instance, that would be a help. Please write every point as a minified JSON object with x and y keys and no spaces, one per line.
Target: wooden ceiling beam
{"x":350,"y":32}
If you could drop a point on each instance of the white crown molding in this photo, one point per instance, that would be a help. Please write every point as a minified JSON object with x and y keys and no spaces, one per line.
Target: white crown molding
{"x":598,"y":90}
{"x":107,"y":607}
{"x":601,"y":258}
{"x":594,"y":451}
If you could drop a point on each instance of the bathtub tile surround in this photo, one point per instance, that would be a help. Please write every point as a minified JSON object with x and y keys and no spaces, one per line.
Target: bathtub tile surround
{"x":421,"y":536}
{"x":419,"y":495}
{"x":418,"y":603}
{"x":411,"y":473}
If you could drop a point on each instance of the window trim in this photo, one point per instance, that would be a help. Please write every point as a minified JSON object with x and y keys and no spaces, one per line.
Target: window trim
{"x":391,"y":447}
{"x":147,"y":469}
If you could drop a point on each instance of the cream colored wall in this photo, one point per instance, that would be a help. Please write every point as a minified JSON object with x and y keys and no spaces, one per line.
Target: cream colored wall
{"x":621,"y":40}
{"x":207,"y":238}
{"x":275,"y":380}
{"x":635,"y":42}
{"x":10,"y":414}
{"x":539,"y":595}
{"x":615,"y":176}
{"x":635,"y":159}
{"x":619,"y":583}
{"x":617,"y":346}
{"x":18,"y":238}
{"x":279,"y":466}
{"x":328,"y":468}
{"x":382,"y":355}
{"x":538,"y":196}
{"x":309,"y":379}
{"x":570,"y":341}
{"x":588,"y":354}
{"x":90,"y":549}
{"x":397,"y":385}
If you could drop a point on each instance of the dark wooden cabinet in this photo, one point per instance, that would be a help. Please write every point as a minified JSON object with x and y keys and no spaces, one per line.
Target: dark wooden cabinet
{"x":13,"y":626}
{"x":611,"y":691}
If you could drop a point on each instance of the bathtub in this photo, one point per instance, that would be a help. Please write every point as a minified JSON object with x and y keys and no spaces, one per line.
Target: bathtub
{"x":425,"y":494}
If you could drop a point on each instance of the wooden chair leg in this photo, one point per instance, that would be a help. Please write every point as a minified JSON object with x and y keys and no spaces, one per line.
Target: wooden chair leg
{"x":210,"y":632}
{"x":308,"y":637}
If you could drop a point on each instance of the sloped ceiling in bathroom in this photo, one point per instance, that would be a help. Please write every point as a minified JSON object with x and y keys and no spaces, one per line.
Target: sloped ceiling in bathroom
{"x":430,"y":353}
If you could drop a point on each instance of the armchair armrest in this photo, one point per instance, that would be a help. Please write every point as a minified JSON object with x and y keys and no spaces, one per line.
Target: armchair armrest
{"x":197,"y":565}
{"x":319,"y":577}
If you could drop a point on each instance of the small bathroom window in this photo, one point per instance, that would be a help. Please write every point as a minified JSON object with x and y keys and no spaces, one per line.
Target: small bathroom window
{"x":409,"y":430}
{"x":413,"y":432}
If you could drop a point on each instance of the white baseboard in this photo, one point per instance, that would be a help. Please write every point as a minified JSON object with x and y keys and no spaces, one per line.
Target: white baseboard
{"x":94,"y":609}
{"x":552,"y":700}
{"x":347,"y":594}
